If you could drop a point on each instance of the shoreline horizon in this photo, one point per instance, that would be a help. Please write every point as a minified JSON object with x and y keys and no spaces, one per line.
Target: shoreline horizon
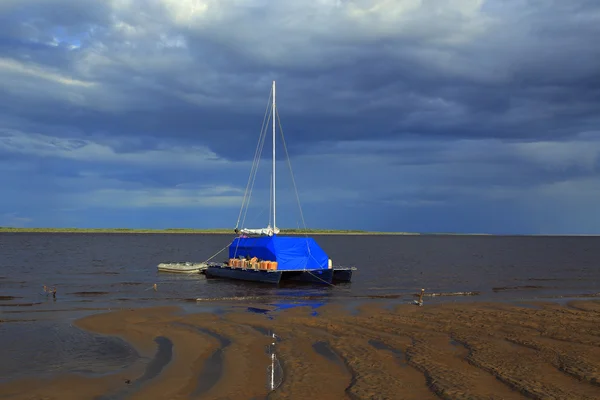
{"x":283,"y":231}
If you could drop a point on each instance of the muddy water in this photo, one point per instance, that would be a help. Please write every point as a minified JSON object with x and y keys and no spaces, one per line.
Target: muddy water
{"x":118,"y":270}
{"x":101,"y":272}
{"x":54,"y":347}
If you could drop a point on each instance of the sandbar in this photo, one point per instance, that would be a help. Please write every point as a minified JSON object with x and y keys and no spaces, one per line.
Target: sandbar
{"x":540,"y":350}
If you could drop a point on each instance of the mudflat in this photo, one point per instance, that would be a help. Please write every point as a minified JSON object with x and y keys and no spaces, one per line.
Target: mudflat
{"x":542,"y":350}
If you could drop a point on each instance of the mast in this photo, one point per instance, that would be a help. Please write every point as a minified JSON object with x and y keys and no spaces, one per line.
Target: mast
{"x":274,"y":223}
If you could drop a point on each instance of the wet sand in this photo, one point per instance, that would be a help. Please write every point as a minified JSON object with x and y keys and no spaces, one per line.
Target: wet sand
{"x":452,"y":351}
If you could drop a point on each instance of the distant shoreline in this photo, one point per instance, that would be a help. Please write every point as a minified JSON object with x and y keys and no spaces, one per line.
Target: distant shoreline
{"x":195,"y":231}
{"x":226,"y":231}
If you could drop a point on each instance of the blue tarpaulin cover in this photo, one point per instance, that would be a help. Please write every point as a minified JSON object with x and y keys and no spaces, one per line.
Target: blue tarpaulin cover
{"x":291,"y":253}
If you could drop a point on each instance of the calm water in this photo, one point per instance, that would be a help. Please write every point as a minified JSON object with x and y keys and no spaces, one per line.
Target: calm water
{"x":118,"y":270}
{"x":108,"y":271}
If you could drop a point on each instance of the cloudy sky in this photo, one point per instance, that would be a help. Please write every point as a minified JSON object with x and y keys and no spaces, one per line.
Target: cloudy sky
{"x":398,"y":115}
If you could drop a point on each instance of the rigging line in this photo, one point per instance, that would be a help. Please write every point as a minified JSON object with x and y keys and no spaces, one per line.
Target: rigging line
{"x":260,"y":145}
{"x":256,"y":152}
{"x":253,"y":220}
{"x":319,"y":278}
{"x":311,"y":256}
{"x":271,"y":200}
{"x":291,"y":173}
{"x":246,"y":198}
{"x":257,"y":158}
{"x":248,"y":184}
{"x":237,"y":244}
{"x":216,"y":254}
{"x":254,"y":163}
{"x":255,"y":173}
{"x":257,"y":215}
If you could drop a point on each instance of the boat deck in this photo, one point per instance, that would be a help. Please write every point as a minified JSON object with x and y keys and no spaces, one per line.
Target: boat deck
{"x":327,"y":276}
{"x":222,"y":270}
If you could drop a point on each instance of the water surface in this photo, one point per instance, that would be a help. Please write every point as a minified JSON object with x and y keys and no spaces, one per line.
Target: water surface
{"x":118,"y":270}
{"x":100,"y":272}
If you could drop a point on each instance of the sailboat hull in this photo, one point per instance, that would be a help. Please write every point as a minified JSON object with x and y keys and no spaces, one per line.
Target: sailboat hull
{"x":321,"y":276}
{"x":251,"y":275}
{"x":342,"y":274}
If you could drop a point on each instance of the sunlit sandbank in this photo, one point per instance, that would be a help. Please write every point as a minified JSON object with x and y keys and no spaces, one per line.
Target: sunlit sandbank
{"x":450,"y":350}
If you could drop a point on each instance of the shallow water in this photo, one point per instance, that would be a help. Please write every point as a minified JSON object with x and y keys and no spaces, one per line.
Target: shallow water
{"x":326,"y":351}
{"x":163,"y":356}
{"x":400,"y":358}
{"x":100,"y":272}
{"x":51,"y":347}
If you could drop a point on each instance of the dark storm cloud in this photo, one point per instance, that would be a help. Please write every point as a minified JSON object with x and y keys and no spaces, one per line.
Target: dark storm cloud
{"x":30,"y":29}
{"x":510,"y":83}
{"x":383,"y":102}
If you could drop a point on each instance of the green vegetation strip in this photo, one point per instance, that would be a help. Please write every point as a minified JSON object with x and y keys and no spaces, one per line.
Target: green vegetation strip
{"x":198,"y":231}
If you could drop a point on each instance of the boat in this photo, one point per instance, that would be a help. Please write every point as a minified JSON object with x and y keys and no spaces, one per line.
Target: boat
{"x":182,"y":267}
{"x":263,"y":255}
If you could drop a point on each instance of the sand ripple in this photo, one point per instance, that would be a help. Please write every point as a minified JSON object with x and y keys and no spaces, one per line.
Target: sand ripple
{"x":449,"y":351}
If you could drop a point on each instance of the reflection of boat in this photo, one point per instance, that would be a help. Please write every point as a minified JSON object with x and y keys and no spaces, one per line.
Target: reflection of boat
{"x":262,"y":255}
{"x":182,"y":267}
